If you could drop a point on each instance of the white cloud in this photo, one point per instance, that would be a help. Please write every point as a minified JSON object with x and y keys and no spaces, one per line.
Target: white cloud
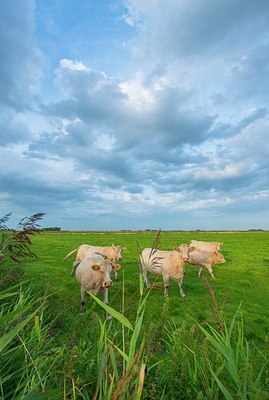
{"x":182,"y":134}
{"x":73,"y":65}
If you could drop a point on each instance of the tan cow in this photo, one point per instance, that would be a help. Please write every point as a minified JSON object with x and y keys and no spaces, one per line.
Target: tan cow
{"x":94,"y":274}
{"x":206,"y":259}
{"x":206,"y":246}
{"x":112,"y":253}
{"x":169,"y":264}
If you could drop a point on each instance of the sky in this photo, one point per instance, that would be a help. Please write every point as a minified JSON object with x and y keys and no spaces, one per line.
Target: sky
{"x":134,"y":114}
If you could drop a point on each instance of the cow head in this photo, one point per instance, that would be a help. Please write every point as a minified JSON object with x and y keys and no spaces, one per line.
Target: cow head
{"x":184,"y":250}
{"x":218,"y":245}
{"x":219,"y":258}
{"x":118,"y":252}
{"x":104,"y":268}
{"x":116,"y":267}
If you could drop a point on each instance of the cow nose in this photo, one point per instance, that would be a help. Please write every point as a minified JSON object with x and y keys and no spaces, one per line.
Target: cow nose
{"x":119,"y":258}
{"x":107,"y":283}
{"x":185,"y":258}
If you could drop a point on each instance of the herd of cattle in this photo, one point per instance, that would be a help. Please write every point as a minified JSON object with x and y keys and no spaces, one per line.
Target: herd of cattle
{"x":94,"y":265}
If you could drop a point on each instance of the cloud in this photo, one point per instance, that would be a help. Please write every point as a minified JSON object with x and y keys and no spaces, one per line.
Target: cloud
{"x":174,"y":29}
{"x":180,"y":141}
{"x":21,"y":59}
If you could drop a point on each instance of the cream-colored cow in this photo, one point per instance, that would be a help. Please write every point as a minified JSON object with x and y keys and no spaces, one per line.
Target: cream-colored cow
{"x":94,"y":274}
{"x":169,"y":264}
{"x":206,"y":246}
{"x":206,"y":259}
{"x":112,"y":253}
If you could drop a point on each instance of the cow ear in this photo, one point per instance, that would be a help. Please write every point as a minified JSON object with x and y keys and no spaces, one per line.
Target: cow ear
{"x":177,"y":249}
{"x":116,"y":267}
{"x":124,"y":248}
{"x":95,"y":267}
{"x":191,"y":248}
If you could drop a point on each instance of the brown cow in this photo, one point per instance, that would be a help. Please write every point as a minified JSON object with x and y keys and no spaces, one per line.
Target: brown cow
{"x":169,"y":264}
{"x":206,"y":259}
{"x":94,"y":274}
{"x":112,"y":253}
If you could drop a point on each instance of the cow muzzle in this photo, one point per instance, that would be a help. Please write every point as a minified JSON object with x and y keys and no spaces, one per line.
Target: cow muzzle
{"x":107,"y":284}
{"x":186,"y":258}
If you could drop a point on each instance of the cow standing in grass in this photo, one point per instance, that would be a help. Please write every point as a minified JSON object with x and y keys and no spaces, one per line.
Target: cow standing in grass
{"x":94,"y":274}
{"x":206,"y":259}
{"x":206,"y":246}
{"x":111,"y":253}
{"x":169,"y":264}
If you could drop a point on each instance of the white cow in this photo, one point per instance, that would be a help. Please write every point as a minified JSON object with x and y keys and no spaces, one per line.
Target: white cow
{"x":112,"y":253}
{"x":206,"y":246}
{"x":206,"y":259}
{"x":169,"y":264}
{"x":94,"y":274}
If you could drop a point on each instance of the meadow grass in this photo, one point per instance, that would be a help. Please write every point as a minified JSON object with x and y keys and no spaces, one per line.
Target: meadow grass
{"x":173,"y":333}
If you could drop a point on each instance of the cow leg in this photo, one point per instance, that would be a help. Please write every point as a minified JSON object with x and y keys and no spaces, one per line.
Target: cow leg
{"x":75,"y":264}
{"x":209,"y":267}
{"x":83,"y":300}
{"x":146,"y":279}
{"x":180,"y":286}
{"x":105,"y":300}
{"x":200,"y":273}
{"x":105,"y":295}
{"x":166,"y":285}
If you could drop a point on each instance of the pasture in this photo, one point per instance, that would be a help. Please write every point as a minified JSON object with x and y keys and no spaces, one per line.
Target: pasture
{"x":180,"y":359}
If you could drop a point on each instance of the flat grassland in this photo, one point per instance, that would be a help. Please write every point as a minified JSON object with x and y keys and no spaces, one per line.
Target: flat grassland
{"x":242,"y":281}
{"x":244,"y":278}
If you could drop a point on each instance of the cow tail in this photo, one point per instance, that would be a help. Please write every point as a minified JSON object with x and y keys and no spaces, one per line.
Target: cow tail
{"x":69,"y":254}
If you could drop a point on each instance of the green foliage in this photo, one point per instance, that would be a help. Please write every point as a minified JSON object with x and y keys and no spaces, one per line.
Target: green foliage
{"x":23,"y":345}
{"x":16,"y":243}
{"x":155,"y":348}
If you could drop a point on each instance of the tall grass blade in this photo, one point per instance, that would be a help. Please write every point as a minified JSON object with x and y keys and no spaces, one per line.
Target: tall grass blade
{"x":6,"y":295}
{"x":9,"y":317}
{"x":225,"y":392}
{"x":134,"y":339}
{"x":121,"y":352}
{"x":7,"y":338}
{"x":123,"y":320}
{"x":142,"y":374}
{"x":113,"y":361}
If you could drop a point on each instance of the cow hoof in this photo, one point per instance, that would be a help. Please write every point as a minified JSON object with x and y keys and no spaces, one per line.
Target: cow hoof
{"x":110,"y":318}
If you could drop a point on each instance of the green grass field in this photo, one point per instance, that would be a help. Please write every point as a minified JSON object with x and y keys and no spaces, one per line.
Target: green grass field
{"x":243,"y":279}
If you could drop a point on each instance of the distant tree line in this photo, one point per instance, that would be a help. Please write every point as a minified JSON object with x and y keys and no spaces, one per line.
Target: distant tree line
{"x":51,"y":228}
